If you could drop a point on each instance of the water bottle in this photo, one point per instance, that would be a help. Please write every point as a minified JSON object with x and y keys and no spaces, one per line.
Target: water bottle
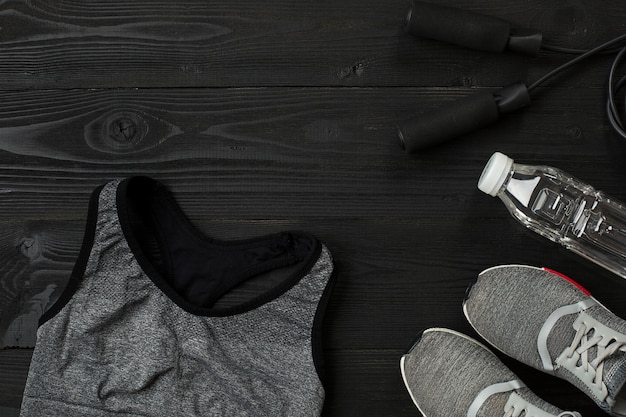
{"x":561,"y":208}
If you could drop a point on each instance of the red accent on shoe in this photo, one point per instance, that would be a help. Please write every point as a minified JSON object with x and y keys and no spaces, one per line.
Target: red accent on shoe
{"x":580,"y":287}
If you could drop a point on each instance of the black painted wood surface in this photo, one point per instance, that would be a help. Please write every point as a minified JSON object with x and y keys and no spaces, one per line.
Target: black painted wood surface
{"x":266,"y":116}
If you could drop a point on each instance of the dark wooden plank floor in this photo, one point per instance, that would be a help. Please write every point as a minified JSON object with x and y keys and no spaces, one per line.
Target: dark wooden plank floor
{"x":266,"y":116}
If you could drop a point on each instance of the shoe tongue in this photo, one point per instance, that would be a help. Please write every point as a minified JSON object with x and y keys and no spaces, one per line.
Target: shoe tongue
{"x":615,"y":373}
{"x":561,"y":336}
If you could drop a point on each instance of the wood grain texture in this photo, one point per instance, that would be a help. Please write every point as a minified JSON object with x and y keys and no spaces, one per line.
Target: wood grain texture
{"x":336,"y":145}
{"x":13,"y":368}
{"x":195,"y":43}
{"x":270,"y":116}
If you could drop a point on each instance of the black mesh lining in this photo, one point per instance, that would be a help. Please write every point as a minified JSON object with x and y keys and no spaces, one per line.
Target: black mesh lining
{"x":197,"y":271}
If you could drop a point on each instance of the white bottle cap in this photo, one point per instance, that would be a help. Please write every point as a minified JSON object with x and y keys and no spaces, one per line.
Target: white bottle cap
{"x":494,"y":173}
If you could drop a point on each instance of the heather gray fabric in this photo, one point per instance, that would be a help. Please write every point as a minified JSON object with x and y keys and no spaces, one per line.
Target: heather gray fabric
{"x":445,"y":371}
{"x":508,"y":305}
{"x":122,"y":347}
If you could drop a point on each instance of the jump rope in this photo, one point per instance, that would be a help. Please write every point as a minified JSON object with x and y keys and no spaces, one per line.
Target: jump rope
{"x":492,"y":34}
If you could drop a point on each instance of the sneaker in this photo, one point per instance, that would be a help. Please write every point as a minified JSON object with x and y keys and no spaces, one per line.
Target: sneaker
{"x":449,"y":374}
{"x":546,"y":320}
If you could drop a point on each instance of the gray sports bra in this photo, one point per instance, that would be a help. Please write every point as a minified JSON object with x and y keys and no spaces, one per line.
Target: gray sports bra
{"x":159,"y":320}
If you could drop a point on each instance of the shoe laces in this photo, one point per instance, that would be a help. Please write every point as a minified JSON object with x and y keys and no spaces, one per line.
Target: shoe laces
{"x":517,"y":406}
{"x":583,"y":342}
{"x":513,"y":412}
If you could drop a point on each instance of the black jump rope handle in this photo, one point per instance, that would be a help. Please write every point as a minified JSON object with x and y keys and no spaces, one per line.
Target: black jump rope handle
{"x":460,"y":117}
{"x":476,"y":31}
{"x":469,"y":29}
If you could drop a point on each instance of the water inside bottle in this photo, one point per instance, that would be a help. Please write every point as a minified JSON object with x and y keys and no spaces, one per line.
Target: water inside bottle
{"x":602,"y":222}
{"x":570,"y":212}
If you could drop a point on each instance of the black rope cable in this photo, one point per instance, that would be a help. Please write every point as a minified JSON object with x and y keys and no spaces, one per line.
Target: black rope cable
{"x":576,"y":60}
{"x":574,"y":51}
{"x":614,"y":87}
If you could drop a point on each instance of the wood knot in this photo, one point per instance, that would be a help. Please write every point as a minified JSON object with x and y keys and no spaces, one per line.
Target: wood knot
{"x":30,"y":247}
{"x":575,"y":132}
{"x":355,"y":70}
{"x":125,"y":131}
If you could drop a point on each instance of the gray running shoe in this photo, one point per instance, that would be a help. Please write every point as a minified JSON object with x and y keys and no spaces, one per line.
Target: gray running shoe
{"x":449,"y":374}
{"x":546,"y":320}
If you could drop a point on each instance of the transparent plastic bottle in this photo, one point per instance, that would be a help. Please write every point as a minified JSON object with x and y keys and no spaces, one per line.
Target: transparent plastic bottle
{"x":561,"y":208}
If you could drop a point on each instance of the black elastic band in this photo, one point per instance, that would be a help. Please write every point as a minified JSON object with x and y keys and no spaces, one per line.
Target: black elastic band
{"x":81,"y":263}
